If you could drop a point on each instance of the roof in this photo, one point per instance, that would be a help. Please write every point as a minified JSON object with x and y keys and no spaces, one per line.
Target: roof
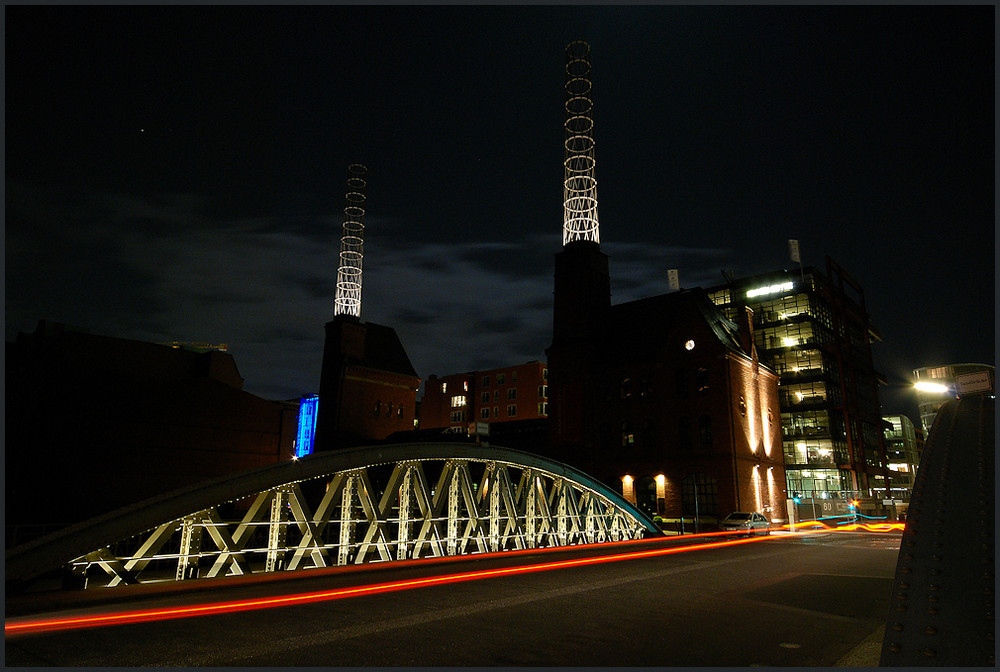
{"x":384,"y":351}
{"x":638,"y":327}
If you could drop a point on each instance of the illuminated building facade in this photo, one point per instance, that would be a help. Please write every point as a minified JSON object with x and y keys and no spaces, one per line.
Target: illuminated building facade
{"x":507,"y":394}
{"x":813,"y":330}
{"x":673,"y":407}
{"x":903,"y":445}
{"x":937,"y":384}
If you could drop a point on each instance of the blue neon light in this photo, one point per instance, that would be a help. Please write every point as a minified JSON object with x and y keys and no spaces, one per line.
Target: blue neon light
{"x":307,"y":425}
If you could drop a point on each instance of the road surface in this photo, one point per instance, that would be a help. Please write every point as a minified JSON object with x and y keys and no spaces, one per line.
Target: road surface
{"x":787,"y":600}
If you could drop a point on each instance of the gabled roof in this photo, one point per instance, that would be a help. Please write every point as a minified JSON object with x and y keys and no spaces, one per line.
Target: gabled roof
{"x":638,"y":327}
{"x":384,"y":351}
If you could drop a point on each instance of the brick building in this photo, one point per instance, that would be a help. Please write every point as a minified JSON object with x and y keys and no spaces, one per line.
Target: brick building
{"x":664,"y":397}
{"x":506,"y":394}
{"x":368,"y":387}
{"x":813,"y":329}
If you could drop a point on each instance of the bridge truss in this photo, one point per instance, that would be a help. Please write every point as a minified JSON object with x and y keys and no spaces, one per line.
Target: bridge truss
{"x":378,"y":504}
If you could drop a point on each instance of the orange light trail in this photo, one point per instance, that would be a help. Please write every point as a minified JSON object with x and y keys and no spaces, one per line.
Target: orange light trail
{"x":13,"y":627}
{"x":28,"y":625}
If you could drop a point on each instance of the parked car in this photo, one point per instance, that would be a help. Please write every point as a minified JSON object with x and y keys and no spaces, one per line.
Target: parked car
{"x":750,"y":523}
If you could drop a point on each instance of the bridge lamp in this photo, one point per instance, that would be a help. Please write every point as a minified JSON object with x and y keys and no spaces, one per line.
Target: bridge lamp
{"x":933,"y":388}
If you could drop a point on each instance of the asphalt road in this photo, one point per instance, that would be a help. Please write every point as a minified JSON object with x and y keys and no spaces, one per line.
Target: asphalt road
{"x":818,"y":600}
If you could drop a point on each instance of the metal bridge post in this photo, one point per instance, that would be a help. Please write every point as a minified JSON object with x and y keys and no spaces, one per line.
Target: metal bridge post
{"x":346,"y":520}
{"x":190,"y":551}
{"x":276,"y":532}
{"x":453,"y":495}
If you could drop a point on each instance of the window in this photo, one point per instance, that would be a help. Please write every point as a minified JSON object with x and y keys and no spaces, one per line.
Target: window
{"x":681,"y":383}
{"x":705,"y":431}
{"x":458,"y":416}
{"x":543,"y":408}
{"x":388,"y":410}
{"x":486,"y":381}
{"x":626,"y":388}
{"x":465,"y":385}
{"x":496,"y":411}
{"x":699,"y":493}
{"x":378,"y":408}
{"x":501,"y":379}
{"x":543,"y":391}
{"x":458,"y":401}
{"x":485,"y":397}
{"x":444,"y":388}
{"x":628,"y":436}
{"x":511,"y":410}
{"x":399,"y":411}
{"x":545,"y":374}
{"x":484,"y":413}
{"x":684,"y":432}
{"x":496,"y":395}
{"x":511,"y":393}
{"x":513,"y":376}
{"x":701,"y":380}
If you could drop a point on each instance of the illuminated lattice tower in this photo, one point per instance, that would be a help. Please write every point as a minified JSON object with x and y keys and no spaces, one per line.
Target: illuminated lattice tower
{"x":579,"y":186}
{"x":348,"y":297}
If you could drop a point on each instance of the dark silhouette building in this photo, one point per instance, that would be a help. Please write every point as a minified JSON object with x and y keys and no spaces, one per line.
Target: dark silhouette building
{"x":95,"y":423}
{"x":368,"y":387}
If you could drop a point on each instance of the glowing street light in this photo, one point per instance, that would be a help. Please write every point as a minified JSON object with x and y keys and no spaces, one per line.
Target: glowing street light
{"x":934,"y":388}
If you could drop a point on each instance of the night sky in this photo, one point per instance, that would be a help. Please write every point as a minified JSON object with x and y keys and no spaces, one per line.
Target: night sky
{"x":179,"y":173}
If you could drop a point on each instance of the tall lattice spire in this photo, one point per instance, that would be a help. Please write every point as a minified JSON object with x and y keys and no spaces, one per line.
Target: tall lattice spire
{"x":348,"y":297}
{"x":580,"y":186}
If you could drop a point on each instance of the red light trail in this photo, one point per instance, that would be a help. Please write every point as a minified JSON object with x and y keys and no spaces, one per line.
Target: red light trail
{"x":29,"y":625}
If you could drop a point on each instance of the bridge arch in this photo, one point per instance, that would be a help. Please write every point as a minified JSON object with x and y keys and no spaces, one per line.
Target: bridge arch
{"x":367,"y":504}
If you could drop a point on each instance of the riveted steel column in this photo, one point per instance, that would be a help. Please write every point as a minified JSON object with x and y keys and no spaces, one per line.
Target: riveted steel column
{"x":453,"y":498}
{"x":531,"y":509}
{"x":405,"y":499}
{"x":277,"y":532}
{"x":190,"y":550}
{"x":344,"y":550}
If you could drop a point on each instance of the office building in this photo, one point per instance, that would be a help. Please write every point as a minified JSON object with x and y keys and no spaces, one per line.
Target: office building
{"x":903,"y":445}
{"x":813,"y":329}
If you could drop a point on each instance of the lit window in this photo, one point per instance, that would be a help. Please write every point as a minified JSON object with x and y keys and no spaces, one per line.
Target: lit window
{"x":444,"y":388}
{"x":458,"y":401}
{"x":465,"y":385}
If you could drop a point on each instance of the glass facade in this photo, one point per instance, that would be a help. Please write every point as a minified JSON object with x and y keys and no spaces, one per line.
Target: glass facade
{"x":816,"y":338}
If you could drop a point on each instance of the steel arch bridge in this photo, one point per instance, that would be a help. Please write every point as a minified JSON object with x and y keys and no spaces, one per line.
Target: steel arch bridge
{"x":354,"y":506}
